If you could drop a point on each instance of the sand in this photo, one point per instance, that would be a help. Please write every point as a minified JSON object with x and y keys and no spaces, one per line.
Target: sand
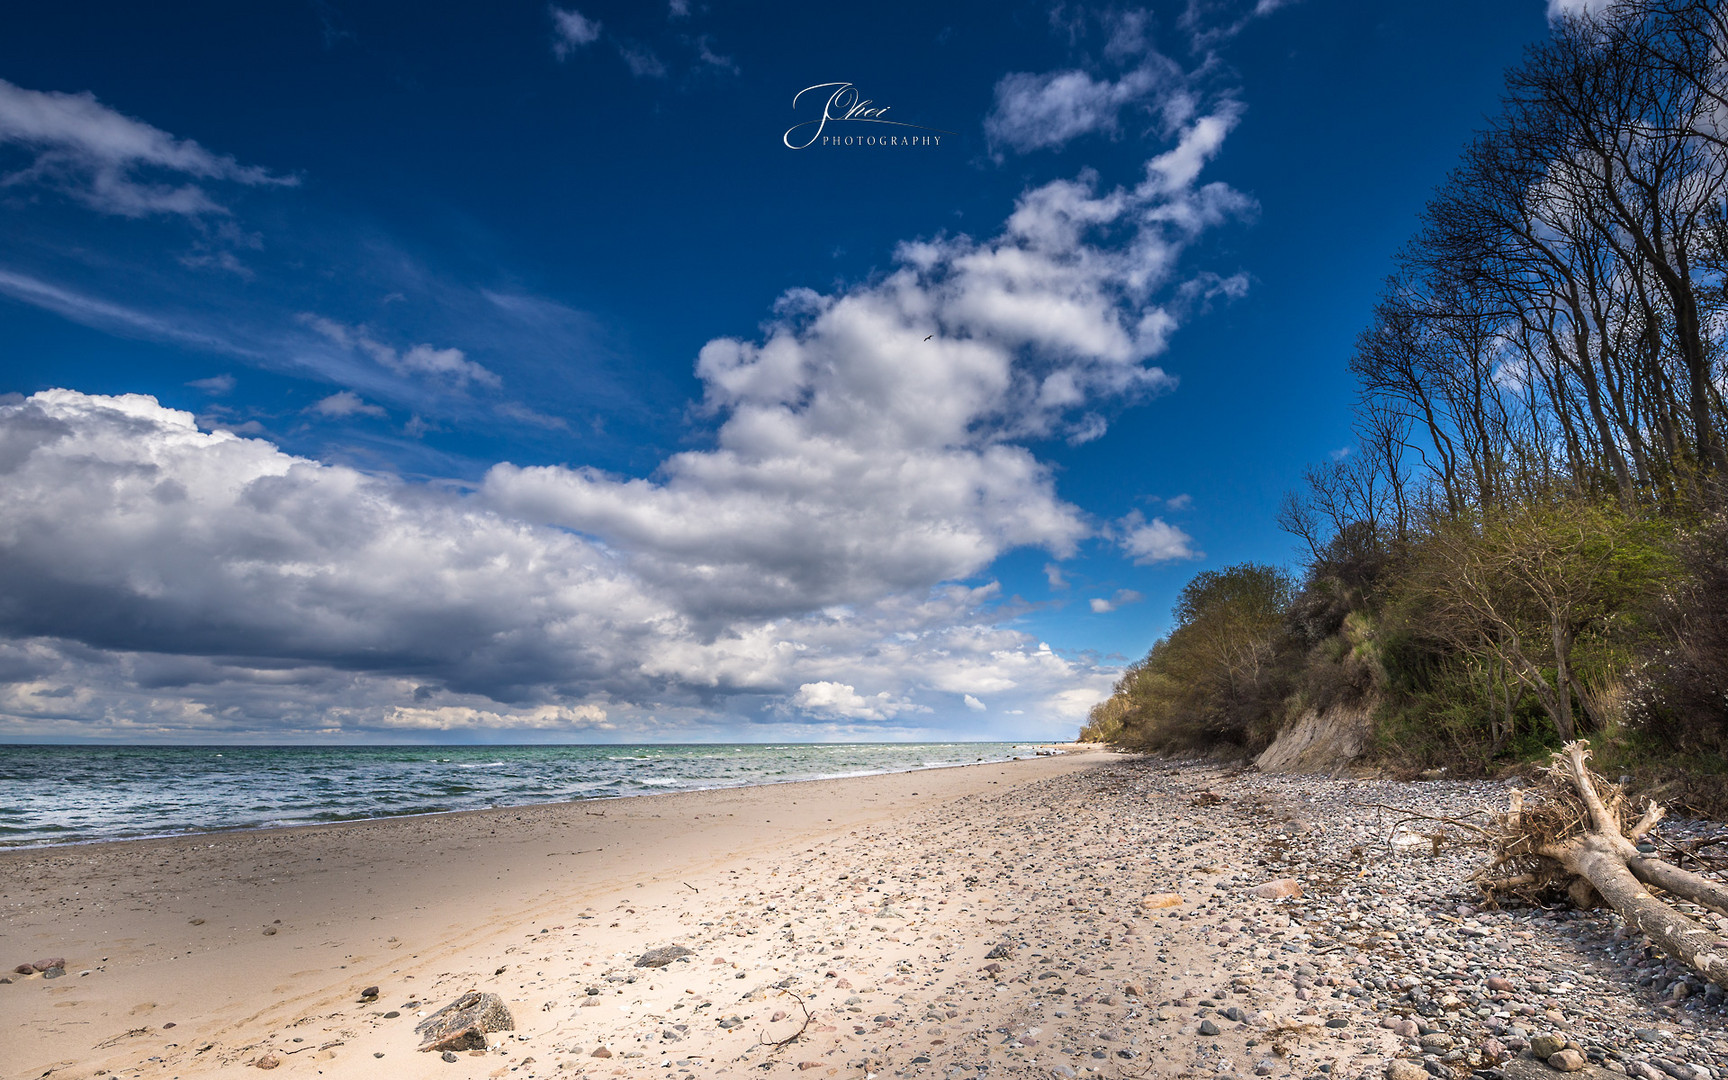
{"x":869,"y":904}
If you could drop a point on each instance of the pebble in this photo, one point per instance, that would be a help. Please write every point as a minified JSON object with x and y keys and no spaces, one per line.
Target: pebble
{"x":1566,"y":1061}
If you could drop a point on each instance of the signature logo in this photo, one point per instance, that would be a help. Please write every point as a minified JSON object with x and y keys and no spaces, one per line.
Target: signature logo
{"x":845,"y":105}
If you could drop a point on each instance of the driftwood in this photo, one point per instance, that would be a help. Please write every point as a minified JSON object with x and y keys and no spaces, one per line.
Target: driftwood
{"x":1576,"y":830}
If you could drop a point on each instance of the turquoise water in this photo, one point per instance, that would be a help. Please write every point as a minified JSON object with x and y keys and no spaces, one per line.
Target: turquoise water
{"x":71,"y":794}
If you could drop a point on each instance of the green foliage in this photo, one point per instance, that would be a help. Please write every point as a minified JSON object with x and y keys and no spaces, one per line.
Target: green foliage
{"x":1208,"y":683}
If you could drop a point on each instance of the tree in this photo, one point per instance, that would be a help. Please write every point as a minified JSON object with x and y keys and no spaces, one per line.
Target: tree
{"x":1523,"y":586}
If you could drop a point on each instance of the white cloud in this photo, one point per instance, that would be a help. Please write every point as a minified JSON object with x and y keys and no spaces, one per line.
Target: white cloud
{"x":1047,"y":111}
{"x":816,"y":567}
{"x":866,"y":443}
{"x":571,"y":30}
{"x":1123,"y":597}
{"x":1053,"y":574}
{"x":642,"y":61}
{"x":168,"y":582}
{"x":1179,"y":502}
{"x":345,"y":403}
{"x":840,"y":701}
{"x":114,"y":318}
{"x":1155,"y":541}
{"x":677,"y":9}
{"x":448,"y":367}
{"x":1209,"y":23}
{"x":974,"y":704}
{"x":111,"y":162}
{"x":215,"y":384}
{"x":1560,"y":8}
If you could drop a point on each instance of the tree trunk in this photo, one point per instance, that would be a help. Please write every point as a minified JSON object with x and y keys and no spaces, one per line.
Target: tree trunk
{"x":1602,"y":852}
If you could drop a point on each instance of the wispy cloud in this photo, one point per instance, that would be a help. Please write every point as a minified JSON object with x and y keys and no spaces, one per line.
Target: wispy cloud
{"x":112,"y":317}
{"x":1123,"y":597}
{"x":448,"y":366}
{"x":571,"y":30}
{"x":344,"y":404}
{"x":642,"y":61}
{"x":111,"y":162}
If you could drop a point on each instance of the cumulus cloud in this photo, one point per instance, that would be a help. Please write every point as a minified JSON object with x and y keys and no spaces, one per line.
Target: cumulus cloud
{"x":817,"y":565}
{"x":571,"y":30}
{"x":1155,"y":541}
{"x":838,"y":700}
{"x":867,"y":444}
{"x":158,"y":580}
{"x":111,"y":162}
{"x":974,"y":704}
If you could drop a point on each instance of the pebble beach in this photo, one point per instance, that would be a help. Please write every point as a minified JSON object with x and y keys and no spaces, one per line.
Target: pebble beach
{"x":1089,"y":914}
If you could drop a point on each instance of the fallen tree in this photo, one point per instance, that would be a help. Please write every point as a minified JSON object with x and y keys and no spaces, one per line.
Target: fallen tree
{"x":1575,"y":830}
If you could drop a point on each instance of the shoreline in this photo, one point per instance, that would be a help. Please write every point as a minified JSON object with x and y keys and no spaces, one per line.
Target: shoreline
{"x":1039,"y":750}
{"x":1086,"y":916}
{"x":316,"y":902}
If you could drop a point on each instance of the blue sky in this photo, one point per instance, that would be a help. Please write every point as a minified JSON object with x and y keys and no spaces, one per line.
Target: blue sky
{"x":513,"y":379}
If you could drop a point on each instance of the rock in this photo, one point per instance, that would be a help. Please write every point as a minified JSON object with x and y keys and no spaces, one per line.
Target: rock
{"x":44,"y":965}
{"x":1566,"y":1061}
{"x":1404,"y":1069}
{"x":369,"y":994}
{"x":1492,"y":1051}
{"x":1162,"y":900}
{"x":24,"y":969}
{"x":1544,"y":1046}
{"x":463,"y":1024}
{"x":1338,"y":1022}
{"x":269,"y":931}
{"x":601,"y":1052}
{"x":1280,"y":889}
{"x":1207,"y":1027}
{"x":665,"y":954}
{"x":1524,"y":1068}
{"x":1439,"y":1042}
{"x":450,"y":1057}
{"x":805,"y":1066}
{"x":1500,"y":986}
{"x":1405,"y":1029}
{"x":1003,"y":951}
{"x":54,"y":973}
{"x":268,"y":1061}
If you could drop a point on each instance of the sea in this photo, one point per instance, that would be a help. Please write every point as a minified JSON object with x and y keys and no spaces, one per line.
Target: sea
{"x":83,"y":794}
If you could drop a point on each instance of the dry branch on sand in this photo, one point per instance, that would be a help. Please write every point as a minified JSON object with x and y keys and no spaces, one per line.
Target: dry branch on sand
{"x":1576,"y":830}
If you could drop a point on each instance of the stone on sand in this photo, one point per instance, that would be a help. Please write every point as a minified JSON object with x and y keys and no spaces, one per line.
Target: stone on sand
{"x":1280,"y":889}
{"x":665,"y":954}
{"x":463,"y":1024}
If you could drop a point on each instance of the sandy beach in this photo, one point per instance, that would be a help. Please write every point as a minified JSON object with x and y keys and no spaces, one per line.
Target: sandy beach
{"x":1078,"y":915}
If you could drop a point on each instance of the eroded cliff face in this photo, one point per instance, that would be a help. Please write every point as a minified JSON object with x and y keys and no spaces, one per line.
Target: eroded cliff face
{"x":1328,"y":741}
